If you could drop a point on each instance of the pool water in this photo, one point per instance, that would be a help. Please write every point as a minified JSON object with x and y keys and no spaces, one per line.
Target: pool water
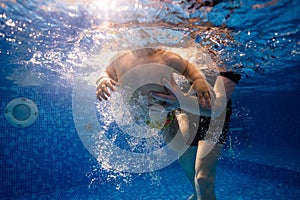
{"x":51,"y":51}
{"x":233,"y":184}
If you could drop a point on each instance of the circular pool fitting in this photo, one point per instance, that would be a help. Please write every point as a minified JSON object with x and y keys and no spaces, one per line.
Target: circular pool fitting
{"x":21,"y":112}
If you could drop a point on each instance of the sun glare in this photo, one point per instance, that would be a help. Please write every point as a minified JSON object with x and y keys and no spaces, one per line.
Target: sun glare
{"x":112,"y":5}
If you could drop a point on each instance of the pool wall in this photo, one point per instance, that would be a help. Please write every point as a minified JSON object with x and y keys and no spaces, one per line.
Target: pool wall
{"x":275,"y":116}
{"x":46,"y":156}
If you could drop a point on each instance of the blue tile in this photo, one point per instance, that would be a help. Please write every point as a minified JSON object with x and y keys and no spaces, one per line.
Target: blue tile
{"x":48,"y":161}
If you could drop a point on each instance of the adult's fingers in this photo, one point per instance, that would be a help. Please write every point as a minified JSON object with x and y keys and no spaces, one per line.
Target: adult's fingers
{"x":163,"y":97}
{"x":169,"y":85}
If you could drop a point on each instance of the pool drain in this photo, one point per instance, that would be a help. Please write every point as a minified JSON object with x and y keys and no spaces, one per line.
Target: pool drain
{"x":21,"y":112}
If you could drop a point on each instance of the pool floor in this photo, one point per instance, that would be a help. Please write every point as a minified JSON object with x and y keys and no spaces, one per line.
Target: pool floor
{"x":236,"y":180}
{"x":230,"y":186}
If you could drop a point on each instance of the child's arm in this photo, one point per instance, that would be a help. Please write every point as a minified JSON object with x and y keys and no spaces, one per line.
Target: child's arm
{"x":203,"y":89}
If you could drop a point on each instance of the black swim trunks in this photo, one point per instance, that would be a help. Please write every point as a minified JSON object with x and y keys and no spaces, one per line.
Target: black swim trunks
{"x":204,"y":122}
{"x":200,"y":126}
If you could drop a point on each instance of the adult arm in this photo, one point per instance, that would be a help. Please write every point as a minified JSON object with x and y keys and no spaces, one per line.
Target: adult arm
{"x":223,"y":89}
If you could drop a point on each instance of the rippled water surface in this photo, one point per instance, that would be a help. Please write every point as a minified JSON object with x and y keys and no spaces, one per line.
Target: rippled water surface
{"x":46,"y":42}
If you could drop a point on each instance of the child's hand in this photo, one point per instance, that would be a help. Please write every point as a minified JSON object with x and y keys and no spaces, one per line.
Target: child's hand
{"x":204,"y":92}
{"x":102,"y":87}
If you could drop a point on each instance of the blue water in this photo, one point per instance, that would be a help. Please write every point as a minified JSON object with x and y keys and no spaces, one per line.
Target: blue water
{"x":47,"y":46}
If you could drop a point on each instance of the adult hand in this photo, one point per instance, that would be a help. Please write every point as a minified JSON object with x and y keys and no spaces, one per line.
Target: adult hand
{"x":171,"y":100}
{"x":205,"y":93}
{"x":103,"y":83}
